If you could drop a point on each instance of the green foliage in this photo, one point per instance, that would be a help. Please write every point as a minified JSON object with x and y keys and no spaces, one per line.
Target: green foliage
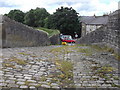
{"x":18,"y":61}
{"x":16,"y":15}
{"x":66,"y":77}
{"x":65,"y":20}
{"x":117,"y":56}
{"x":85,"y":51}
{"x":40,"y":16}
{"x":107,"y":49}
{"x":9,"y":65}
{"x":106,"y":69}
{"x":36,"y":17}
{"x":50,"y":32}
{"x":114,"y":85}
{"x":66,"y":67}
{"x":102,"y":48}
{"x":43,"y":78}
{"x":29,"y":18}
{"x":22,"y":53}
{"x":116,"y":77}
{"x":49,"y":22}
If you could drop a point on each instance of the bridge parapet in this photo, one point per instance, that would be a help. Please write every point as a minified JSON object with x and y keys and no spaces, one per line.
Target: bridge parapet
{"x":15,"y":34}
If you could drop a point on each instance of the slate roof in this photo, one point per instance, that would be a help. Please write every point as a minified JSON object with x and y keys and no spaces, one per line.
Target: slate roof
{"x":94,"y":20}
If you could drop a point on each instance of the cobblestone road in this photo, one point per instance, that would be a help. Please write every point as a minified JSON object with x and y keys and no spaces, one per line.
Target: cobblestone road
{"x":32,"y":67}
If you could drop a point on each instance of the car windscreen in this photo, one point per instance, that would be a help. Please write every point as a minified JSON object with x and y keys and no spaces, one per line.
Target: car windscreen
{"x":66,"y":37}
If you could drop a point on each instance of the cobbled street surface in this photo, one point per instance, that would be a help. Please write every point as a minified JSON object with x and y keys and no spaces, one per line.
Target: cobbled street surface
{"x":32,"y":67}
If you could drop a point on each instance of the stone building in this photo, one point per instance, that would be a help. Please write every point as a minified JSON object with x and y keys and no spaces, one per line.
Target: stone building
{"x":91,"y":23}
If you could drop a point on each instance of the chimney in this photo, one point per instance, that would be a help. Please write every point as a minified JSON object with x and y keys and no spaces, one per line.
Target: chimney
{"x":94,"y":15}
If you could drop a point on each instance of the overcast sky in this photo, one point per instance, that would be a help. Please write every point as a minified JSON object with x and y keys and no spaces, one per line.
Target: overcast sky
{"x":83,"y":7}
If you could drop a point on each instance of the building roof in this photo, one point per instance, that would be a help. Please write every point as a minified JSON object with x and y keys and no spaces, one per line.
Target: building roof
{"x":94,"y":20}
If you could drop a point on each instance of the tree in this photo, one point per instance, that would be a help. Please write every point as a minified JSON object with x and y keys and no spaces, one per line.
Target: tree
{"x":49,"y":22}
{"x":36,"y":17}
{"x":41,"y":14}
{"x":16,"y":15}
{"x":66,"y":20}
{"x":29,"y":18}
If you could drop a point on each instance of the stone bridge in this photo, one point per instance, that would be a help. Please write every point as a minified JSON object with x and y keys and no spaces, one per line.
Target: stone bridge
{"x":39,"y":67}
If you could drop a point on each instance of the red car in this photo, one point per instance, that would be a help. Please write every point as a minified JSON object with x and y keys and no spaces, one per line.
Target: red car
{"x":67,"y":38}
{"x":69,"y":41}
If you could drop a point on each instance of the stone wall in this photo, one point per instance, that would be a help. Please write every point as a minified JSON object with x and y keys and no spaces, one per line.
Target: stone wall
{"x":14,"y":34}
{"x":55,"y":39}
{"x":112,"y":38}
{"x":109,"y":34}
{"x":93,"y":37}
{"x":0,"y":31}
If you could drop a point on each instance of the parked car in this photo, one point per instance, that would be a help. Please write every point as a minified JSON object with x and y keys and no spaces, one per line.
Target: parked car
{"x":67,"y":38}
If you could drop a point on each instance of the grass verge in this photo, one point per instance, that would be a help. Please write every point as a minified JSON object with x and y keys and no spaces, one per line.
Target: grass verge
{"x":106,"y":49}
{"x":65,"y":78}
{"x":18,"y":61}
{"x":50,"y":32}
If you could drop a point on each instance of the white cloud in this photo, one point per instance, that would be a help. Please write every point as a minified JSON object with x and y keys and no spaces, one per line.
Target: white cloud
{"x":4,"y":10}
{"x":84,"y":7}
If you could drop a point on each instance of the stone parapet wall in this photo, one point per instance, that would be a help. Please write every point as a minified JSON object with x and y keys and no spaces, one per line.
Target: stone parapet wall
{"x":112,"y":38}
{"x":93,"y":37}
{"x":14,"y":34}
{"x":55,"y":39}
{"x":113,"y":20}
